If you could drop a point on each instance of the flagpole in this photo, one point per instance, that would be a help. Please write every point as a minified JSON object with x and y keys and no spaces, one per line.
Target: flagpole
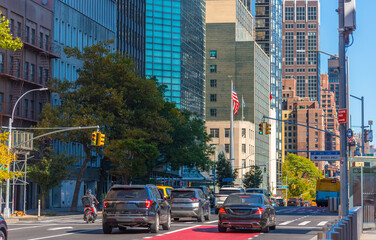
{"x":232,"y":147}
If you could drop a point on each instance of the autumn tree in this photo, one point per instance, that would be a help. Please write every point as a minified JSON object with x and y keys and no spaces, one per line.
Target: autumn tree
{"x":302,"y":174}
{"x":7,"y":41}
{"x":6,"y":158}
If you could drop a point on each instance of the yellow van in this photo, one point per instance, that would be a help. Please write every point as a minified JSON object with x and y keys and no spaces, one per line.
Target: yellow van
{"x":165,"y":190}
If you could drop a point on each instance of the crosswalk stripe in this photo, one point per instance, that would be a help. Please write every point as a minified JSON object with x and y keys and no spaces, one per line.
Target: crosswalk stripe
{"x":285,"y":223}
{"x":322,"y":223}
{"x":304,"y":223}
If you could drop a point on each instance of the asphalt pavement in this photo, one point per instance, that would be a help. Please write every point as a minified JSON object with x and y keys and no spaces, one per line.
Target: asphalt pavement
{"x":292,"y":223}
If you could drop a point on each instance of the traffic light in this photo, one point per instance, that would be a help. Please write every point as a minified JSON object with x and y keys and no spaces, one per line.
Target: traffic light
{"x":267,"y":128}
{"x":261,"y":128}
{"x":94,"y":138}
{"x":293,"y":186}
{"x":264,"y":169}
{"x":101,"y":139}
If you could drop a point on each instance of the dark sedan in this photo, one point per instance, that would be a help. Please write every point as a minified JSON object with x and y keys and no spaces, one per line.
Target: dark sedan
{"x":247,"y":211}
{"x":3,"y":229}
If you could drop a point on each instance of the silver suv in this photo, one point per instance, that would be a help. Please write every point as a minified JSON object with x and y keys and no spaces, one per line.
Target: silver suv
{"x":223,"y":194}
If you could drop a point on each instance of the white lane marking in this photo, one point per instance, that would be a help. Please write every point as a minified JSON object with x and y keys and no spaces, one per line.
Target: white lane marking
{"x":285,"y":223}
{"x":61,"y":235}
{"x":322,"y":223}
{"x":304,"y":223}
{"x":21,"y":228}
{"x":59,"y":228}
{"x":212,"y":221}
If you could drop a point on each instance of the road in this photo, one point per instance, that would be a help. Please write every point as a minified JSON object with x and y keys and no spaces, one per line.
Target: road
{"x":292,"y":223}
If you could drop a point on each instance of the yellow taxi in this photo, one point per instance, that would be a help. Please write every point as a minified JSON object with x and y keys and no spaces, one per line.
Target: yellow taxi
{"x":165,"y":190}
{"x":313,"y":203}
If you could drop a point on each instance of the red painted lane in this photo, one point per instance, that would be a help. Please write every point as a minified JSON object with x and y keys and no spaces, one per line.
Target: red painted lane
{"x":206,"y":233}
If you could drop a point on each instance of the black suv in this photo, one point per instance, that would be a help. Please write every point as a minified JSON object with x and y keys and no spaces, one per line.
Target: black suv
{"x":135,"y":206}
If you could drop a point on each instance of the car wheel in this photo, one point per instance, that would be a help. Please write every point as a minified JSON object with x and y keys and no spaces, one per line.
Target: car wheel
{"x":176,"y":219}
{"x":200,"y":218}
{"x":155,"y":226}
{"x":122,"y":228}
{"x":106,"y":228}
{"x":2,"y":235}
{"x":167,"y":225}
{"x":221,"y":229}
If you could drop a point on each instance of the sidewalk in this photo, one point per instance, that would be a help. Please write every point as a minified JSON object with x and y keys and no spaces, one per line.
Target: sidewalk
{"x":368,"y":235}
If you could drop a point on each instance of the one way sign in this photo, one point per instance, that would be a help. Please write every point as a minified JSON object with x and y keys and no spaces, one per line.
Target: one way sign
{"x":325,"y":156}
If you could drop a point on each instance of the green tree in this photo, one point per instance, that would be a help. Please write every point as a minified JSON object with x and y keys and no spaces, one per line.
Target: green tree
{"x":253,"y":178}
{"x":224,"y":170}
{"x":303,"y":174}
{"x":110,"y":94}
{"x":49,"y":171}
{"x":6,"y":39}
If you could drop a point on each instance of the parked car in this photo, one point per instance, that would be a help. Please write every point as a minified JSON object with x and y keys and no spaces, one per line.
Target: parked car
{"x":165,"y":191}
{"x":189,"y":202}
{"x":223,"y":194}
{"x":3,"y":228}
{"x":313,"y":203}
{"x":135,"y":206}
{"x":280,"y":202}
{"x":293,"y":202}
{"x":247,"y":210}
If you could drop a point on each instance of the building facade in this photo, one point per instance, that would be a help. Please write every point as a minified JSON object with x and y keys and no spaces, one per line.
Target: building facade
{"x":232,"y":55}
{"x":175,"y":50}
{"x":301,"y":40}
{"x":268,"y":25}
{"x":333,"y":72}
{"x":130,"y":35}
{"x":79,"y":24}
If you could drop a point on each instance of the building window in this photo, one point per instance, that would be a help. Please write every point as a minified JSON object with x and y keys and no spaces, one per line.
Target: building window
{"x":46,"y":38}
{"x":213,"y":112}
{"x":213,"y":54}
{"x":312,"y":13}
{"x":32,"y":109}
{"x":300,"y":25}
{"x":300,"y":13}
{"x":214,"y":132}
{"x":46,"y":74}
{"x":32,"y":72}
{"x":27,"y":34}
{"x":243,"y":133}
{"x":26,"y":75}
{"x":289,"y":13}
{"x":243,"y":163}
{"x":11,"y":26}
{"x":289,"y":25}
{"x":244,"y":150}
{"x":312,"y":25}
{"x":213,"y":68}
{"x":300,"y":47}
{"x":1,"y":62}
{"x":227,"y":132}
{"x":213,"y":83}
{"x":213,"y":97}
{"x":289,"y":48}
{"x":19,"y":30}
{"x":300,"y":86}
{"x":33,"y":36}
{"x":1,"y":101}
{"x":26,"y":107}
{"x":300,"y":70}
{"x":41,"y":40}
{"x":227,"y":148}
{"x":289,"y":70}
{"x":312,"y":87}
{"x":40,"y":75}
{"x":312,"y":45}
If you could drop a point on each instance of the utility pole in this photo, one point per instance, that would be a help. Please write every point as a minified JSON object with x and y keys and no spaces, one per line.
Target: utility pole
{"x":344,"y":198}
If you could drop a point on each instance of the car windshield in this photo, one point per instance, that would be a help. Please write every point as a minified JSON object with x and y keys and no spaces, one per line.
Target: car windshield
{"x":182,"y":194}
{"x":292,"y":199}
{"x":243,"y":199}
{"x":254,"y":191}
{"x":126,"y":193}
{"x":228,"y":191}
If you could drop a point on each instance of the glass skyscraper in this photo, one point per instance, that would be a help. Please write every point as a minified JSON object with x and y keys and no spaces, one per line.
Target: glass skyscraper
{"x":174,"y":50}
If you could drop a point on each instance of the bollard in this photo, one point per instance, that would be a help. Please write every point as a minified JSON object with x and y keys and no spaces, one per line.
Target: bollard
{"x":323,"y":236}
{"x":347,"y":221}
{"x":39,"y":208}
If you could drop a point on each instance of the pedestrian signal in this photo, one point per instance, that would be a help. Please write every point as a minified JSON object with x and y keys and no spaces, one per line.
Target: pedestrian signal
{"x":267,"y":128}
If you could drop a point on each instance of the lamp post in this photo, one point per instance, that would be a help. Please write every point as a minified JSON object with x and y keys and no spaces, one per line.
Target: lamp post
{"x":7,"y":209}
{"x":362,"y":100}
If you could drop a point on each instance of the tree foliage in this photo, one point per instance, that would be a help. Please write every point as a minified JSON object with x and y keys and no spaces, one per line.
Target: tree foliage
{"x":224,"y":170}
{"x":253,"y":178}
{"x":49,"y":170}
{"x":301,"y":172}
{"x":6,"y":158}
{"x":6,"y":39}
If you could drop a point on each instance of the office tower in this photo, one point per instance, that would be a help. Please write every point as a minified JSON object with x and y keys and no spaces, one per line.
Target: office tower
{"x":269,"y":37}
{"x":130,"y":36}
{"x":333,"y":72}
{"x":301,"y":28}
{"x":175,"y":50}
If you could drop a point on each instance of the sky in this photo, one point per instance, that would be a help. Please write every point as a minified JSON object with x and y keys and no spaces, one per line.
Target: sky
{"x":361,"y":56}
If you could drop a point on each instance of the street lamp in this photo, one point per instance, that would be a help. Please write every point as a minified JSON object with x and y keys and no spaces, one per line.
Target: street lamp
{"x":7,"y":209}
{"x":362,"y":100}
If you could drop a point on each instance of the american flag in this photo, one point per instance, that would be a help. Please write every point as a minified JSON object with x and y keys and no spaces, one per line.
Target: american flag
{"x":235,"y":100}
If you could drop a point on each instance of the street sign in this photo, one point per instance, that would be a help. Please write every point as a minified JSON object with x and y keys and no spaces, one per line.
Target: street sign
{"x":227,"y":179}
{"x":281,"y":186}
{"x":342,"y":115}
{"x":325,"y":156}
{"x":349,"y":134}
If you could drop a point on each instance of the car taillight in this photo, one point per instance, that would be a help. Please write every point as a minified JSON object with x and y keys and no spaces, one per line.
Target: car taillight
{"x":218,"y":196}
{"x":259,"y":211}
{"x":105,"y":203}
{"x":148,"y":203}
{"x":195,"y":199}
{"x":222,"y":210}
